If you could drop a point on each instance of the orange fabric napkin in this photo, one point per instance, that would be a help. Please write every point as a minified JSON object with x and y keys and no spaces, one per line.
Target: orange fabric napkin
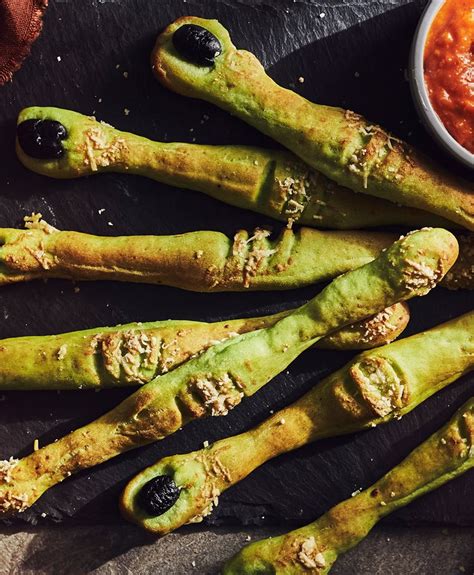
{"x":20,"y":25}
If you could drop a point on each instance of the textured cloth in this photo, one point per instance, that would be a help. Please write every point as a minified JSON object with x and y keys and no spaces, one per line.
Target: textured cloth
{"x":20,"y":25}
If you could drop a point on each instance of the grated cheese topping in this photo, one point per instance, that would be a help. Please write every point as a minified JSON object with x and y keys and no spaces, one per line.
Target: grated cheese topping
{"x":421,"y":276}
{"x":296,"y":195}
{"x":310,"y":556}
{"x":379,"y":326}
{"x":254,"y":257}
{"x":131,"y":351}
{"x":99,"y":152}
{"x":6,"y":467}
{"x":35,"y":222}
{"x":218,"y":393}
{"x":17,"y":503}
{"x":62,"y":352}
{"x":379,"y":385}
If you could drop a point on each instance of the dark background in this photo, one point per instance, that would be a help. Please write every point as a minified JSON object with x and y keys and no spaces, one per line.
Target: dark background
{"x":353,"y":57}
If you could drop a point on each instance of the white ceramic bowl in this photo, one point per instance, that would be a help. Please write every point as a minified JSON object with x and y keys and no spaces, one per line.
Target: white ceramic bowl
{"x":420,"y":93}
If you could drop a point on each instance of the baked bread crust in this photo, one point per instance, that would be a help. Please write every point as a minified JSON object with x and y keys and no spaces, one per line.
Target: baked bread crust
{"x":203,"y":261}
{"x":217,"y":380}
{"x":375,"y":387}
{"x":314,"y":548}
{"x":271,"y":182}
{"x":341,"y":144}
{"x":136,"y":353}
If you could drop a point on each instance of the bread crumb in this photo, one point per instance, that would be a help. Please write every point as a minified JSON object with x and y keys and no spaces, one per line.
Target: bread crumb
{"x":36,"y":445}
{"x":62,"y":352}
{"x":125,"y":75}
{"x":301,"y":79}
{"x":126,"y":111}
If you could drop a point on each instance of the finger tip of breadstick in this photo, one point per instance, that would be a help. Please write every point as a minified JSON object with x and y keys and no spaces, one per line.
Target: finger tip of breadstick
{"x":423,"y":257}
{"x":168,"y":67}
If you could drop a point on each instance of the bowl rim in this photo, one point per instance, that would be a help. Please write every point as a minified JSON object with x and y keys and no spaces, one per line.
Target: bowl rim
{"x":420,"y":92}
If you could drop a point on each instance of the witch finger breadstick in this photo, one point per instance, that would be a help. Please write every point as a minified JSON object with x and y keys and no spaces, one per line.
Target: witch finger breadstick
{"x":217,"y":380}
{"x":341,"y":144}
{"x":313,"y":549}
{"x":65,"y":144}
{"x":136,"y":353}
{"x":202,"y":261}
{"x":373,"y":388}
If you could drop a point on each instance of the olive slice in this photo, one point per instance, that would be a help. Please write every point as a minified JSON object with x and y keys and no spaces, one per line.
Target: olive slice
{"x":42,"y":139}
{"x":158,"y":495}
{"x":197,"y":44}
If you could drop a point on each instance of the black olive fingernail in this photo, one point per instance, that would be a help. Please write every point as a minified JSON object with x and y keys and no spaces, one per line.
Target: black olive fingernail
{"x":197,"y":44}
{"x":158,"y":495}
{"x":42,"y":139}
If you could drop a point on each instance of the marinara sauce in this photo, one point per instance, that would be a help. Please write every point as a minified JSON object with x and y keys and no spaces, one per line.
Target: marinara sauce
{"x":449,"y":69}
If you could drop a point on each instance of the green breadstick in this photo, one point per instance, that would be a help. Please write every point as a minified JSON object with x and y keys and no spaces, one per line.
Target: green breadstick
{"x":341,"y":144}
{"x":461,"y":275}
{"x":313,"y":549}
{"x":373,"y":388}
{"x":218,"y":379}
{"x":270,"y":182}
{"x":136,"y":353}
{"x":199,"y":261}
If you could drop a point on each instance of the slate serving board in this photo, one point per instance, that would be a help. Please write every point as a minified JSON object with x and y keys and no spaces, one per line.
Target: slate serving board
{"x":350,"y":53}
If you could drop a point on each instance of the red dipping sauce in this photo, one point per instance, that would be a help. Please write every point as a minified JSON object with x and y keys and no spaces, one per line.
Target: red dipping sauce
{"x":449,"y":69}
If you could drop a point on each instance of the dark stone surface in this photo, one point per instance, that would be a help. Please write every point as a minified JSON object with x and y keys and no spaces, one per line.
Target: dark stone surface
{"x":91,"y":39}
